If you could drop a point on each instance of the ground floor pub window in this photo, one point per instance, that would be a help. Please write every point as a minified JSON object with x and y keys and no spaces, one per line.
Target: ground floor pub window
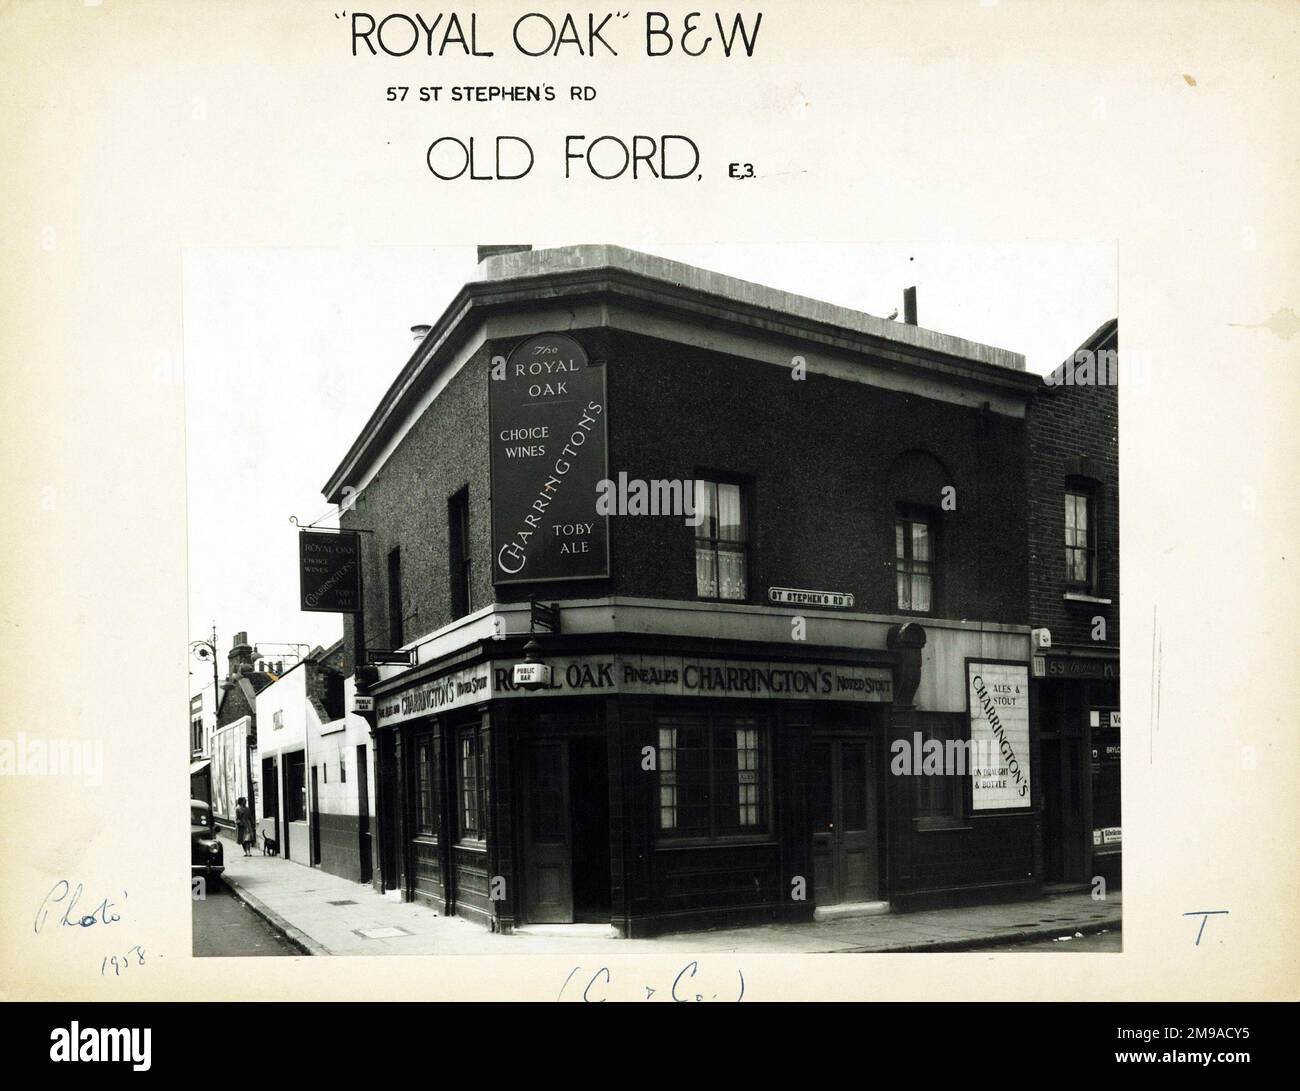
{"x":944,"y":767}
{"x":713,"y":775}
{"x":471,"y":789}
{"x":426,"y":782}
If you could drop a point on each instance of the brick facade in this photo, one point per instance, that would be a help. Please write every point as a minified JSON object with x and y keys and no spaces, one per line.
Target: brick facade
{"x":1074,"y":433}
{"x":826,"y":463}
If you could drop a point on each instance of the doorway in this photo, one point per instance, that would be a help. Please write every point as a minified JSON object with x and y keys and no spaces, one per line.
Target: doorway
{"x":846,"y":858}
{"x":295,"y":807}
{"x":1061,"y":789}
{"x":363,"y":811}
{"x":388,"y":805}
{"x":315,"y":816}
{"x":566,"y":830}
{"x":271,"y":797}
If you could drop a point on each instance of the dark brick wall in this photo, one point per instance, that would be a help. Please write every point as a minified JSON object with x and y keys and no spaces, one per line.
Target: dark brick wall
{"x":234,"y":706}
{"x":825,"y":458}
{"x":828,"y":461}
{"x":325,"y":686}
{"x":406,"y":506}
{"x":1073,"y":429}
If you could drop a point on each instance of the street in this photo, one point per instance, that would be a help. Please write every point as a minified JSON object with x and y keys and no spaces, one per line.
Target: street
{"x":224,"y":925}
{"x":1102,"y":941}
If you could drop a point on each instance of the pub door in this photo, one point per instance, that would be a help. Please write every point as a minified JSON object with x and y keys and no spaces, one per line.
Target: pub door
{"x":845,"y":847}
{"x":389,"y":808}
{"x":547,"y":836}
{"x":1060,"y":787}
{"x":365,"y":852}
{"x":566,"y":830}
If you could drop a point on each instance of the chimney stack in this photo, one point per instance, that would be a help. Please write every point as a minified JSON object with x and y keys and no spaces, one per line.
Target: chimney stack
{"x":909,"y":305}
{"x":240,"y":659}
{"x":490,"y":251}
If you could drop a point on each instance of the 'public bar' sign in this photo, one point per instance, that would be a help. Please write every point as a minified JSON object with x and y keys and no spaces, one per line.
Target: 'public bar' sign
{"x":329,"y":571}
{"x":547,"y":412}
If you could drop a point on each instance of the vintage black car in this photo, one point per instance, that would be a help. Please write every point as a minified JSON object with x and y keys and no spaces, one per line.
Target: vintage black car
{"x":206,"y":854}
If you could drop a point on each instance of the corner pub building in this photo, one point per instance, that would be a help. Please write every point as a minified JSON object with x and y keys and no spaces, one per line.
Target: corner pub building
{"x":737,"y":702}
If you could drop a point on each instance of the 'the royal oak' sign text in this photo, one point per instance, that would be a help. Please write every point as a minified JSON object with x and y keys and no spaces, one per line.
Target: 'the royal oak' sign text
{"x":547,"y":409}
{"x":329,"y":571}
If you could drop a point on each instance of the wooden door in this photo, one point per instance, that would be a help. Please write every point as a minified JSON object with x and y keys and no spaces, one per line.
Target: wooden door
{"x":315,"y":815}
{"x":364,"y":849}
{"x":845,"y":837}
{"x":548,"y":834}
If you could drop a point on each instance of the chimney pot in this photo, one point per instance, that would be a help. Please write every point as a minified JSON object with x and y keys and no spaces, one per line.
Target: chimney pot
{"x":909,"y":305}
{"x":420,"y":332}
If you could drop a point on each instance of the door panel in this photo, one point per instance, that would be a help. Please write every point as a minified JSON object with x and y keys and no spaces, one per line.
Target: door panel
{"x":823,"y":816}
{"x":549,"y":864}
{"x":845,"y":842}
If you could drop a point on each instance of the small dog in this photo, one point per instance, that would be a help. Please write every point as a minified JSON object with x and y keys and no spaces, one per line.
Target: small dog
{"x":270,"y":846}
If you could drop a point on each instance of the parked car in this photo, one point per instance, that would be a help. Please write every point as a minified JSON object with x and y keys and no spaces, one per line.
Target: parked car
{"x":206,"y":854}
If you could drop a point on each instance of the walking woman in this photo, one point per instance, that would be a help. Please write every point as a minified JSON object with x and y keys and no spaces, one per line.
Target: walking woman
{"x":244,"y":822}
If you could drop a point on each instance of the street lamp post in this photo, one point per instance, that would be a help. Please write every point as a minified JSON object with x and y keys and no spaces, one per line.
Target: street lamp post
{"x":207,"y":650}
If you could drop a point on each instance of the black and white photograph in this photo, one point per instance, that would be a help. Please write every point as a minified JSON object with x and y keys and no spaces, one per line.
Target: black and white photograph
{"x":648,"y":505}
{"x":646,"y":597}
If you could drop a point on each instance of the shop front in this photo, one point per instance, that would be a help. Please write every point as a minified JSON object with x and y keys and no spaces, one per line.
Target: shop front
{"x":663,"y":792}
{"x":650,"y":792}
{"x":1078,"y":713}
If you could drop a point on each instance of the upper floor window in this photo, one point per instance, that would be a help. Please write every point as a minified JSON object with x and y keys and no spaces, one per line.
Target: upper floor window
{"x":1080,"y":538}
{"x":458,"y":553}
{"x":721,"y":541}
{"x":914,"y":561}
{"x":395,"y":637}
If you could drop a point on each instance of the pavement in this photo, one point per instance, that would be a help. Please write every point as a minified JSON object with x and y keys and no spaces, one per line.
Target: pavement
{"x":323,"y":914}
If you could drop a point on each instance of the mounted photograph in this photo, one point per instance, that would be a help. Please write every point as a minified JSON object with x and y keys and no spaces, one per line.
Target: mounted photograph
{"x":654,"y":597}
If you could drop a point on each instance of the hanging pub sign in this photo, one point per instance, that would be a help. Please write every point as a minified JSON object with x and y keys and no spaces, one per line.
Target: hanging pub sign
{"x":329,"y":571}
{"x":997,"y":696}
{"x":390,"y":657}
{"x":547,"y":410}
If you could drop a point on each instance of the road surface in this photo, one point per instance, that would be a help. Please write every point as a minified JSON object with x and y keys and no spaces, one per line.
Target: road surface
{"x":223,"y":925}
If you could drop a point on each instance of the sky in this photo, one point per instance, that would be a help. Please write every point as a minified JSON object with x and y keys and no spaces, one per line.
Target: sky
{"x":288,"y":350}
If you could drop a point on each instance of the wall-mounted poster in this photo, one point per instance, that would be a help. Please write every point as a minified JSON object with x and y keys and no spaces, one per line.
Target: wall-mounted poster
{"x":997,"y":696}
{"x":546,"y":403}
